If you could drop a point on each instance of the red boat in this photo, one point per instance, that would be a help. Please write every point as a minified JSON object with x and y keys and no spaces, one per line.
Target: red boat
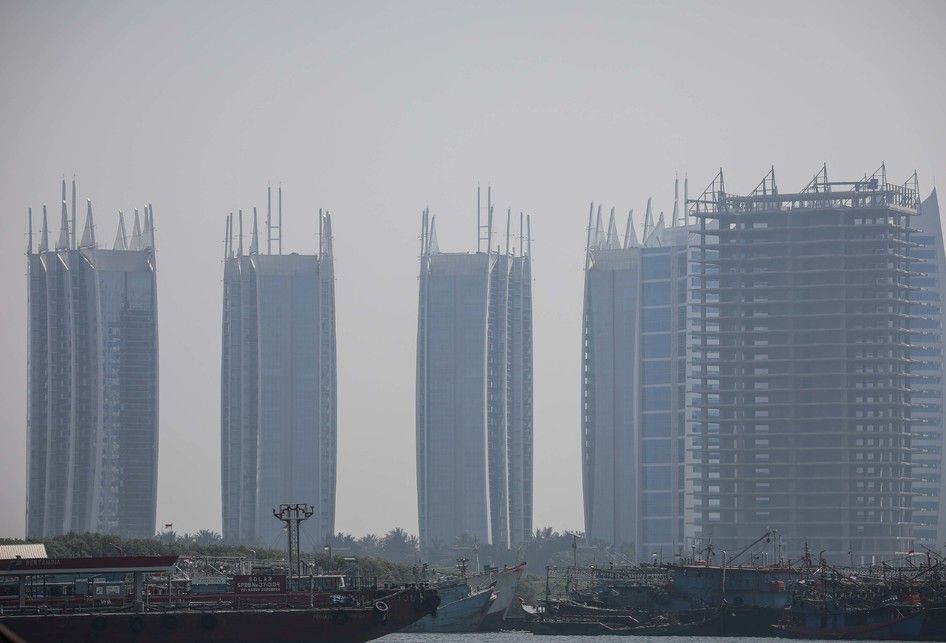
{"x":259,"y":610}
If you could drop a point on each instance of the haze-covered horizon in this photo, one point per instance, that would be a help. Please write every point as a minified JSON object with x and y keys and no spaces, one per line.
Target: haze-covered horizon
{"x":377,"y":110}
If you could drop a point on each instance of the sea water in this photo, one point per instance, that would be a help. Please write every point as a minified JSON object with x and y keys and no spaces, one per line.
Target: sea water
{"x":516,"y":637}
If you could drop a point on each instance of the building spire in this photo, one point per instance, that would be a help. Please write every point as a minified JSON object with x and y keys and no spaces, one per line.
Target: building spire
{"x":269,"y":220}
{"x":226,"y":237}
{"x":148,"y":232}
{"x":74,"y":211}
{"x":44,"y":233}
{"x":325,"y":236}
{"x":254,"y":240}
{"x":613,"y":240}
{"x":630,"y":234}
{"x":432,"y":242}
{"x":63,"y":243}
{"x":599,"y":231}
{"x":676,"y":202}
{"x":508,"y":222}
{"x":591,"y":214}
{"x":136,"y":233}
{"x":648,"y":220}
{"x":88,"y":233}
{"x":29,"y":231}
{"x":240,"y":240}
{"x":121,"y":237}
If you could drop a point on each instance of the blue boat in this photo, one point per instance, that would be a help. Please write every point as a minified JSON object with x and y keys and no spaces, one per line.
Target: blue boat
{"x":463,"y":613}
{"x":809,"y":620}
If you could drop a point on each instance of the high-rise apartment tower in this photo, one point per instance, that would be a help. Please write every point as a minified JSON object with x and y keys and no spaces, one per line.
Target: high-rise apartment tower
{"x":92,"y":416}
{"x":633,"y":379}
{"x":278,"y":395}
{"x":800,"y":415}
{"x":474,"y":388}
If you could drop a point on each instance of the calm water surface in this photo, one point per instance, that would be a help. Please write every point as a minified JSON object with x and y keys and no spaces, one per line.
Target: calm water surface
{"x":515,"y":637}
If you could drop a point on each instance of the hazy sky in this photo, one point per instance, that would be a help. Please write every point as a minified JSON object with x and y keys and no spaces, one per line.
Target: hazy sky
{"x":376,"y":110}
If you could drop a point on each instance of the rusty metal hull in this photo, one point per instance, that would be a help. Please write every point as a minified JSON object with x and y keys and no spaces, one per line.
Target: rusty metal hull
{"x":285,"y":625}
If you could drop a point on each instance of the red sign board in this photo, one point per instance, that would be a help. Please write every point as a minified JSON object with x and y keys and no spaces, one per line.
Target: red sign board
{"x":259,"y":584}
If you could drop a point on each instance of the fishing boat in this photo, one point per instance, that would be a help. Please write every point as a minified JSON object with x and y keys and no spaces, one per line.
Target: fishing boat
{"x":506,"y":583}
{"x":459,"y":611}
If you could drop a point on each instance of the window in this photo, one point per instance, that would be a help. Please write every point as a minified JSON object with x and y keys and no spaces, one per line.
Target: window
{"x":656,"y":451}
{"x":657,"y":478}
{"x":656,"y":398}
{"x":656,"y":425}
{"x":656,"y":293}
{"x":655,"y":319}
{"x":655,"y":372}
{"x":656,"y":345}
{"x":658,"y":531}
{"x":658,"y":504}
{"x":656,"y":266}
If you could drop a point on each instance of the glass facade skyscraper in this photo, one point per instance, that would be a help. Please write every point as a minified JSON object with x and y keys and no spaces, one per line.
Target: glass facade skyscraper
{"x":474,"y":394}
{"x":278,"y":386}
{"x":92,"y":417}
{"x":633,"y":385}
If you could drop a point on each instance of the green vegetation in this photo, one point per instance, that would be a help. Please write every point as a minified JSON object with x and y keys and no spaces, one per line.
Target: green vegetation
{"x":394,"y":557}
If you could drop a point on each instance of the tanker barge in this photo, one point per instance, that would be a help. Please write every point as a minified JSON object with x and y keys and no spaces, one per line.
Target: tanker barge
{"x":134,"y":599}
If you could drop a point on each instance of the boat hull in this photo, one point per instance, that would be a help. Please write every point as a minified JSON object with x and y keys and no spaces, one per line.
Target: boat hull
{"x":463,"y":615}
{"x":280,"y":625}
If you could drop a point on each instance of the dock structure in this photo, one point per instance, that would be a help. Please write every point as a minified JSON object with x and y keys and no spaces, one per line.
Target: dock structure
{"x":92,"y":377}
{"x":278,"y":378}
{"x":474,"y":386}
{"x":801,"y":366}
{"x":633,"y":378}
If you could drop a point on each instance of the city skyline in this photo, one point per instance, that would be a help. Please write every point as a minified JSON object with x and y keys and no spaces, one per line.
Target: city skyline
{"x":194,"y":108}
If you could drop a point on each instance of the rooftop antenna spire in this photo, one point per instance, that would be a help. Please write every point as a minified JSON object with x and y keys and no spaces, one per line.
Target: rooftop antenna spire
{"x":63,"y":243}
{"x":88,"y":234}
{"x":676,"y":202}
{"x":648,"y":220}
{"x":44,"y":234}
{"x":254,"y":241}
{"x":686,"y":199}
{"x":240,"y":240}
{"x":226,"y":238}
{"x":479,"y":225}
{"x":508,"y":221}
{"x":269,"y":220}
{"x":121,"y":238}
{"x":29,"y":231}
{"x":529,"y":236}
{"x":149,"y":227}
{"x":136,"y":233}
{"x":521,"y":230}
{"x":630,"y":234}
{"x":489,"y":217}
{"x":591,"y":214}
{"x":280,"y":218}
{"x":74,"y":231}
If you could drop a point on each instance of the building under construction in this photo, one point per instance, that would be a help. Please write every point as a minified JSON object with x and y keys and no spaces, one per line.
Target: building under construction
{"x":801,"y":365}
{"x":92,"y":378}
{"x":474,"y":387}
{"x":278,"y":372}
{"x":633,"y":379}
